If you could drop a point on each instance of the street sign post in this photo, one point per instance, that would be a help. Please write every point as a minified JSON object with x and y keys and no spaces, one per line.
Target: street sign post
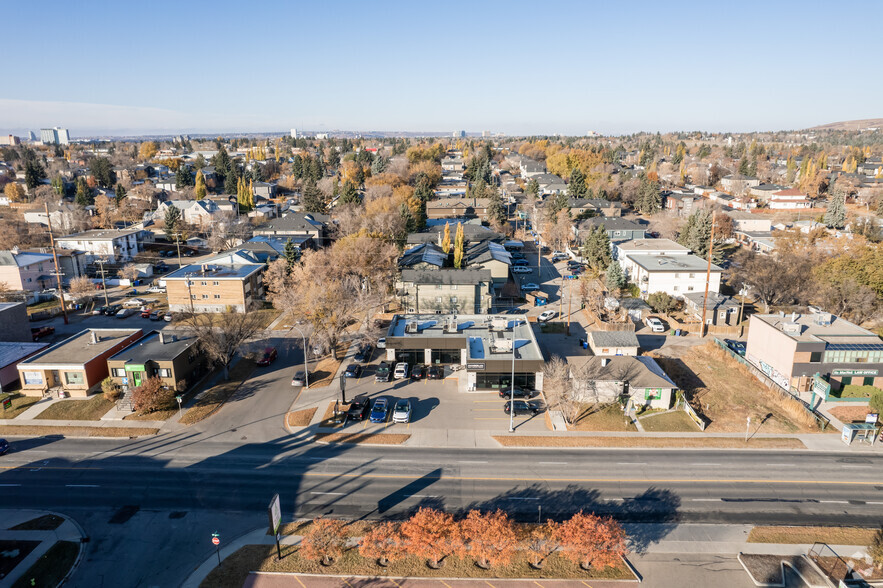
{"x":342,"y":388}
{"x":216,"y":540}
{"x":274,"y":512}
{"x":7,"y":403}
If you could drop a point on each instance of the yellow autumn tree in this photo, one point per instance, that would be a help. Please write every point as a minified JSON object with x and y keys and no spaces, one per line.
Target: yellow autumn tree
{"x":200,"y":190}
{"x":458,"y":247}
{"x":446,"y":239}
{"x":147,"y":150}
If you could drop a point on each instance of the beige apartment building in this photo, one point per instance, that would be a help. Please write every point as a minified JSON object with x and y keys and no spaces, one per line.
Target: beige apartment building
{"x":211,"y":287}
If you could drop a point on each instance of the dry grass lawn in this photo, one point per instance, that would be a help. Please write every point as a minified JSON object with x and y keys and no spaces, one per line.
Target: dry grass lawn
{"x":20,"y":403}
{"x":850,"y":414}
{"x":669,"y":422}
{"x":327,"y":421}
{"x":39,"y":431}
{"x":234,"y":570}
{"x":215,"y":397}
{"x":656,"y":442}
{"x":606,"y":417}
{"x":87,"y":409}
{"x":300,"y":418}
{"x":801,"y":535}
{"x":371,"y":438}
{"x":158,"y":415}
{"x":42,"y":523}
{"x":724,"y":391}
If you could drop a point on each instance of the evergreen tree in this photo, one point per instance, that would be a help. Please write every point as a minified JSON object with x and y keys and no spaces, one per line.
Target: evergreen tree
{"x":182,"y":177}
{"x":743,"y":166}
{"x":257,"y":173}
{"x":577,"y":186}
{"x":297,"y":167}
{"x":596,"y":249}
{"x":231,"y":182}
{"x":458,"y":247}
{"x":557,"y":204}
{"x":223,"y":166}
{"x":102,"y":171}
{"x":172,"y":220}
{"x":446,"y":239}
{"x":120,"y":194}
{"x":311,"y":198}
{"x":615,"y":277}
{"x":34,"y":172}
{"x":835,"y":216}
{"x":696,"y":234}
{"x":291,"y":254}
{"x":379,"y":165}
{"x":200,"y":190}
{"x":84,"y":193}
{"x":350,"y":194}
{"x":533,"y":187}
{"x":649,"y":199}
{"x":199,"y":163}
{"x":496,"y":212}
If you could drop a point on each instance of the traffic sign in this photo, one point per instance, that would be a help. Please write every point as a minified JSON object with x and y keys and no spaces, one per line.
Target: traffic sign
{"x":215,"y":539}
{"x":125,"y":381}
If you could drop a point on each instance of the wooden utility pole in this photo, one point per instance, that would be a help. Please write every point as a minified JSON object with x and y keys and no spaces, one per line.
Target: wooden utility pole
{"x":103,"y":283}
{"x":569,"y":301}
{"x":707,"y":276}
{"x":55,"y":258}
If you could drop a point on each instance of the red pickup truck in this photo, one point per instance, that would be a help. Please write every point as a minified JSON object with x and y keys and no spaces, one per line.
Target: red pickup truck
{"x":39,"y":332}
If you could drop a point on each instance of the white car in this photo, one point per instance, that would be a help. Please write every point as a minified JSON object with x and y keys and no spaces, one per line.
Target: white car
{"x":520,"y":269}
{"x":402,"y":411}
{"x":655,"y":325}
{"x":156,"y":290}
{"x":381,"y":343}
{"x":401,"y":371}
{"x":546,"y":316}
{"x":133,"y":302}
{"x":530,"y":286}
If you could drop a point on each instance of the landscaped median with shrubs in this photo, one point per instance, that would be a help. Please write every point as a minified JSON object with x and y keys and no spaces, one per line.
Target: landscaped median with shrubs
{"x":432,"y":543}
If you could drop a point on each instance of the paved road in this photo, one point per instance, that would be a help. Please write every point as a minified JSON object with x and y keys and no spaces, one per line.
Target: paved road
{"x":186,"y":472}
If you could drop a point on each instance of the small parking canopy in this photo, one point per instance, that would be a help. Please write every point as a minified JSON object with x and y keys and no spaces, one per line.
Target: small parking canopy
{"x":862,"y":432}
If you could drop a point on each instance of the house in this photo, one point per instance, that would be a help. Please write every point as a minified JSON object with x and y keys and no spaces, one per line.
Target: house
{"x":76,"y":365}
{"x":789,"y":200}
{"x":738,"y":183}
{"x":22,"y":270}
{"x":193,"y":212}
{"x":452,"y":164}
{"x":108,"y":244}
{"x":530,"y":168}
{"x":423,"y":256}
{"x":613,"y":342}
{"x":675,"y":275}
{"x":215,"y":287}
{"x":446,"y":291}
{"x":489,"y":348}
{"x":609,"y":379}
{"x":457,"y":208}
{"x":473,"y":232}
{"x":791,"y":348}
{"x":747,"y":221}
{"x":622,"y":251}
{"x":266,"y":249}
{"x":683,"y":204}
{"x":298,"y":224}
{"x":14,"y":324}
{"x":618,"y":229}
{"x":720,"y":310}
{"x":550,"y":184}
{"x":171,"y":356}
{"x":490,"y":256}
{"x":586,"y":206}
{"x":11,"y":354}
{"x":265,"y":189}
{"x":759,"y":241}
{"x":763,"y":192}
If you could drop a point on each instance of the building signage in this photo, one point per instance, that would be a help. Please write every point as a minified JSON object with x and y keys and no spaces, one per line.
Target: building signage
{"x":274,"y":512}
{"x":475,"y":366}
{"x":135,"y":368}
{"x":854,"y":372}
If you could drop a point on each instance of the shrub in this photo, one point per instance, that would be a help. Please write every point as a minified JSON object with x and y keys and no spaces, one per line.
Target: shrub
{"x":876,"y":402}
{"x":152,"y":396}
{"x":591,"y":541}
{"x":110,"y":389}
{"x":384,"y":542}
{"x":662,"y":302}
{"x":324,"y":540}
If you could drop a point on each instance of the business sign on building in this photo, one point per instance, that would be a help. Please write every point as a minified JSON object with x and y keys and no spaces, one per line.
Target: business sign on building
{"x":475,"y":366}
{"x":854,"y":372}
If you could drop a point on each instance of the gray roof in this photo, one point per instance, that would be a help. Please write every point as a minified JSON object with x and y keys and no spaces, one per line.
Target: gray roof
{"x":487,"y":251}
{"x":11,"y":353}
{"x":672,"y":263}
{"x":447,"y":276}
{"x":423,"y":253}
{"x":79,"y":349}
{"x":215,"y":272}
{"x":640,"y":372}
{"x":614,"y":338}
{"x":611,"y":224}
{"x":149,"y":347}
{"x":471,"y":232}
{"x":22,"y":259}
{"x":715,"y":301}
{"x":297,"y":221}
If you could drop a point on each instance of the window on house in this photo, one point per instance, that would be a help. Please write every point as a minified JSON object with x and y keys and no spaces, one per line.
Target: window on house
{"x":216,"y":283}
{"x":438,"y":299}
{"x":73,"y":378}
{"x":193,"y":297}
{"x":33,"y":378}
{"x":453,"y":299}
{"x":164,"y":373}
{"x":675,"y":288}
{"x":119,"y":372}
{"x":692,"y":275}
{"x":218,"y":296}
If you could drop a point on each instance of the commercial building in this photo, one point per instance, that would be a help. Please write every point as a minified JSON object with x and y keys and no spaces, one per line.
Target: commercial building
{"x":77,"y":365}
{"x":609,"y":379}
{"x":791,"y":348}
{"x":14,"y":324}
{"x":55,"y":136}
{"x":211,"y":287}
{"x":488,"y":347}
{"x":172,"y":357}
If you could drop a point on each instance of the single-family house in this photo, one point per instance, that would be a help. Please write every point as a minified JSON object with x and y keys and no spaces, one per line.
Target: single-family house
{"x":720,"y":310}
{"x":789,"y":200}
{"x":296,"y":224}
{"x":608,"y":379}
{"x":738,"y":183}
{"x":171,"y":356}
{"x":490,"y":256}
{"x":618,"y":229}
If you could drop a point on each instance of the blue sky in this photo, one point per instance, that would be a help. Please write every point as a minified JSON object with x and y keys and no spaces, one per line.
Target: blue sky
{"x":516,"y":67}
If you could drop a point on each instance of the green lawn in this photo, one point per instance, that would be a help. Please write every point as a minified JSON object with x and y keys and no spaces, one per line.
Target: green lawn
{"x":607,"y":417}
{"x":669,"y":422}
{"x":855,"y":391}
{"x":20,"y":403}
{"x":87,"y":409}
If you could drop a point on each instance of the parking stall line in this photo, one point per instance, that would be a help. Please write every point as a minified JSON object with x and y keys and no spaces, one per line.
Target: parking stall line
{"x":299,"y":582}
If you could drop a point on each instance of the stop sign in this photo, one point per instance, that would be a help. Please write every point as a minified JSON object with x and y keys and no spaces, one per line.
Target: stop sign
{"x":216,"y":540}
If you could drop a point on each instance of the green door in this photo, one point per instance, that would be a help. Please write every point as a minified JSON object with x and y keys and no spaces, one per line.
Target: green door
{"x":136,"y":379}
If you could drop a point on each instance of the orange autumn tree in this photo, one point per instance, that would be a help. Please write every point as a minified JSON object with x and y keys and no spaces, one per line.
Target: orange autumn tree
{"x":384,"y":542}
{"x":488,"y":537}
{"x":429,"y":534}
{"x":541,"y":543}
{"x":324,"y":540}
{"x":591,"y":541}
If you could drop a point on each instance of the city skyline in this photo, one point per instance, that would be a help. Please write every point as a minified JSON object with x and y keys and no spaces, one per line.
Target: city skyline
{"x":413,"y":69}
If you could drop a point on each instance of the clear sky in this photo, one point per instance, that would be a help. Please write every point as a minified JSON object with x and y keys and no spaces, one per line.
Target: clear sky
{"x":127,"y":67}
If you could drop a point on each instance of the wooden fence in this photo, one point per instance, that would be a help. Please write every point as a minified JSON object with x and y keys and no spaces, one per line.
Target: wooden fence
{"x":599,"y":325}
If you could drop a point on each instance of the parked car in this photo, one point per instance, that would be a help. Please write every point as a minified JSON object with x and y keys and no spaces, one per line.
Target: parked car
{"x":401,"y":371}
{"x":126,"y":313}
{"x":156,"y":290}
{"x":157,"y":315}
{"x":100,"y":310}
{"x":269,"y":356}
{"x":382,"y":373}
{"x":516,"y":255}
{"x":521,"y":407}
{"x":573,"y":263}
{"x":516,"y":311}
{"x":145,"y":312}
{"x":359,"y":408}
{"x":418,"y":372}
{"x":380,"y":410}
{"x":364,"y":354}
{"x":381,"y":343}
{"x":4,"y":446}
{"x":299,"y":378}
{"x":402,"y":411}
{"x":167,"y":317}
{"x":38,"y":333}
{"x":112,"y":310}
{"x":546,"y":316}
{"x":519,"y":269}
{"x":559,"y":256}
{"x":655,"y":324}
{"x":737,"y":346}
{"x":521,"y":262}
{"x":353,"y":370}
{"x":518,"y":392}
{"x":530,"y":286}
{"x":435,"y":372}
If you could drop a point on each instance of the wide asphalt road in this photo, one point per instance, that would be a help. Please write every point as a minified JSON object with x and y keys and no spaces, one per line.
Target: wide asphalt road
{"x":187,"y":471}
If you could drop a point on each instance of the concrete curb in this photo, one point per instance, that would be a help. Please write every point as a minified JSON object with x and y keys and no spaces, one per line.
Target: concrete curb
{"x":205,"y":568}
{"x":82,"y":543}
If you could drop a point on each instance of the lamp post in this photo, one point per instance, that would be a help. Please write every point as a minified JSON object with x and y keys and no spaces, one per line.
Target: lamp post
{"x":306,"y":365}
{"x":512,"y":390}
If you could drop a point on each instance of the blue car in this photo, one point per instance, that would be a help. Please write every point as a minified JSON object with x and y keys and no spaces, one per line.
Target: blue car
{"x":379,"y":410}
{"x":4,"y":446}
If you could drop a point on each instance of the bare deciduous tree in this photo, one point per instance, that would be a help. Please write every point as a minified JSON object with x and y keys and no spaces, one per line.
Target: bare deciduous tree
{"x":221,"y":336}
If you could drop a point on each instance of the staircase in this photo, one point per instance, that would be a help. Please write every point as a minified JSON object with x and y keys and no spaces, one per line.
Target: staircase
{"x":125,"y":403}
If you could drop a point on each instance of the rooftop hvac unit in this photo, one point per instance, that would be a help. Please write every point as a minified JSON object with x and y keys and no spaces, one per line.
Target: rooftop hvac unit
{"x":501,"y":345}
{"x":824,"y":318}
{"x":500,"y":324}
{"x":451,"y":325}
{"x":791,"y":328}
{"x":411,"y":327}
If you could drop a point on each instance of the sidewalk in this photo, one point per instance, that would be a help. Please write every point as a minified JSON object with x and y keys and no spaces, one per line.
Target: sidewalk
{"x":68,"y":530}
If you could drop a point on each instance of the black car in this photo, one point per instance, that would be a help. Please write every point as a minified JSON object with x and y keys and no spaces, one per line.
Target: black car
{"x":516,"y":311}
{"x":737,"y":346}
{"x":436,"y":372}
{"x":418,"y":372}
{"x":364,"y":354}
{"x":382,"y":373}
{"x":518,"y":392}
{"x":4,"y":446}
{"x":112,"y":310}
{"x":353,"y":370}
{"x":359,"y":408}
{"x":522,"y":407}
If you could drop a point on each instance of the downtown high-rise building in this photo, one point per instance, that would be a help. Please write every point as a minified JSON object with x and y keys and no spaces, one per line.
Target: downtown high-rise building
{"x":55,"y":136}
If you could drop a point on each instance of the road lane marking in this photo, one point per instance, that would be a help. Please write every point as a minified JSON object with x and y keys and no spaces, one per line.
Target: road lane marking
{"x":9,"y":485}
{"x":422,"y":496}
{"x":705,"y":464}
{"x":299,"y":582}
{"x":780,"y":465}
{"x":834,"y":501}
{"x":397,"y":460}
{"x":489,"y":584}
{"x":869,"y":502}
{"x":856,"y":466}
{"x":631,"y":463}
{"x":471,"y":462}
{"x":445,"y":583}
{"x":331,"y":493}
{"x":589,"y":585}
{"x":538,"y":584}
{"x":552,"y":462}
{"x":82,"y":486}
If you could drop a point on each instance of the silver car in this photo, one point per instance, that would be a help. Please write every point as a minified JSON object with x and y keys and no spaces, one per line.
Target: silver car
{"x":402,"y":411}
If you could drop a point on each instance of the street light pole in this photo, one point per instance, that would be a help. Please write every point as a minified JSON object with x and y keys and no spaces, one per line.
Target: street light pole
{"x":306,"y":366}
{"x":512,"y":389}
